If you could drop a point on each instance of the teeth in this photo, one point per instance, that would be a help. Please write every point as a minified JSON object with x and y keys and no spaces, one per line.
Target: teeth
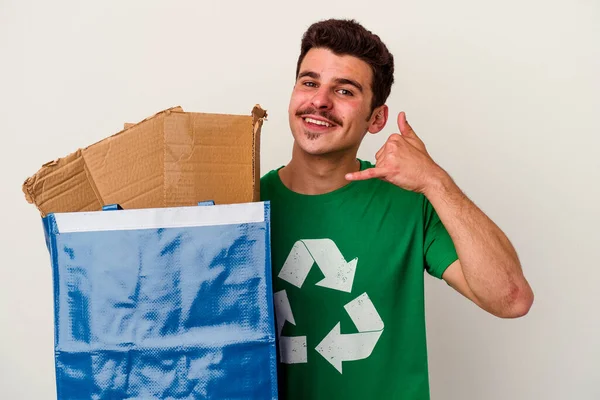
{"x":314,"y":121}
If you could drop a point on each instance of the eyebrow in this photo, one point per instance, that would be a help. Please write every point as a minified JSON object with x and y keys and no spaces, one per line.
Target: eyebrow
{"x":340,"y":81}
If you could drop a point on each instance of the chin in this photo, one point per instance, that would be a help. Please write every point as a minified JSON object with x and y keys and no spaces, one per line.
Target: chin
{"x":310,"y":148}
{"x":319,"y":147}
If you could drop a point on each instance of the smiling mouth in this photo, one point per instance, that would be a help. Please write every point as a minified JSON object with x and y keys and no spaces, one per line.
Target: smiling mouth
{"x":317,"y":122}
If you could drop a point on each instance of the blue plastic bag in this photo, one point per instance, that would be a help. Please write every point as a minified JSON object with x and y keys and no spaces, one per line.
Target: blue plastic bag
{"x":171,"y":303}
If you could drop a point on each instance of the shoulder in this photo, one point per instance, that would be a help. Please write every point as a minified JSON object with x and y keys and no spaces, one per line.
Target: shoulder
{"x":267,"y":184}
{"x":269,"y":177}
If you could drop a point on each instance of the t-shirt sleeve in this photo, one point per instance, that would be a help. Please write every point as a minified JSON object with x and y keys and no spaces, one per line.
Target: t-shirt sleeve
{"x":438,"y":248}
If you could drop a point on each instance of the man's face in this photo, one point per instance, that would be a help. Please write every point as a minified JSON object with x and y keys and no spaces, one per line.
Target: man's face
{"x":329,"y":110}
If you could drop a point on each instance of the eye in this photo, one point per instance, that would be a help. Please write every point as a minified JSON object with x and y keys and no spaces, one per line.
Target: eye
{"x":345,"y":92}
{"x":309,"y":84}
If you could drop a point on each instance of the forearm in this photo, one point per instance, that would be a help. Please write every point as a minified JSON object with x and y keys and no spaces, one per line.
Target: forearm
{"x":489,"y":262}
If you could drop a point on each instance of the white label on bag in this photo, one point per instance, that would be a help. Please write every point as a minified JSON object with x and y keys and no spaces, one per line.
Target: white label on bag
{"x":155,"y":218}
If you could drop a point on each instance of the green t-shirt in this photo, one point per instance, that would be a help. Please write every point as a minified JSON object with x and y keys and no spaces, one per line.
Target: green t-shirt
{"x":348,"y":277}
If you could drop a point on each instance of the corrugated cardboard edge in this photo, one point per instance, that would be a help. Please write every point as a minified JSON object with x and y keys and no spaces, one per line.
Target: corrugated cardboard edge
{"x":258,"y":117}
{"x":47,"y":168}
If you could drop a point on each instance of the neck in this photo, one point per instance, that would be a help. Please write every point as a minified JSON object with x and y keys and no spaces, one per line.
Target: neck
{"x":310,"y":174}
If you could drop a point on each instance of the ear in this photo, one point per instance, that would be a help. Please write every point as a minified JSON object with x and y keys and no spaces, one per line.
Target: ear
{"x":378,"y":119}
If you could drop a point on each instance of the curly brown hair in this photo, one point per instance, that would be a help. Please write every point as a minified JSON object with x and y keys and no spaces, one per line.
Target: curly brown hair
{"x":348,"y":37}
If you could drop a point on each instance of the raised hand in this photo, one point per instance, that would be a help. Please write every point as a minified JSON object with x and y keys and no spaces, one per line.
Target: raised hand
{"x":403,"y":161}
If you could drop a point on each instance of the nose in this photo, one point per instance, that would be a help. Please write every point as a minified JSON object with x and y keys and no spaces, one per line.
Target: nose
{"x":322,"y":100}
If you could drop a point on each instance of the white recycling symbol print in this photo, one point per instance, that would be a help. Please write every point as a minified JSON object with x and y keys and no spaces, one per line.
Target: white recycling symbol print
{"x":339,"y":275}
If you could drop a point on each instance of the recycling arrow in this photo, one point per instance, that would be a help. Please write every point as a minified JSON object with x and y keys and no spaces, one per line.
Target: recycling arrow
{"x":337,"y":347}
{"x":292,"y":349}
{"x":339,"y":274}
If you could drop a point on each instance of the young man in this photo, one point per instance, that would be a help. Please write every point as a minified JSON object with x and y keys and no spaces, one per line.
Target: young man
{"x":351,"y":240}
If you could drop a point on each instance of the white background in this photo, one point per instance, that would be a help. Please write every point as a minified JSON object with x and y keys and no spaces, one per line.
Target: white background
{"x":505,"y":94}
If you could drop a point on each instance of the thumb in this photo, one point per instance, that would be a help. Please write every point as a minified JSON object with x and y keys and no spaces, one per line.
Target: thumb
{"x":405,"y":129}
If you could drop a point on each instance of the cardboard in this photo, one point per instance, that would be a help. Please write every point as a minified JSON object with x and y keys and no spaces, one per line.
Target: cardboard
{"x":173,"y":158}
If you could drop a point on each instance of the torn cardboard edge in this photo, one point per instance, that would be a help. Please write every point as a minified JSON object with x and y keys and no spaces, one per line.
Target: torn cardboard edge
{"x":173,"y":158}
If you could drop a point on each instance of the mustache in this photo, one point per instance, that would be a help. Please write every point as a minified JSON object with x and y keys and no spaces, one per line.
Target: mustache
{"x":320,"y":113}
